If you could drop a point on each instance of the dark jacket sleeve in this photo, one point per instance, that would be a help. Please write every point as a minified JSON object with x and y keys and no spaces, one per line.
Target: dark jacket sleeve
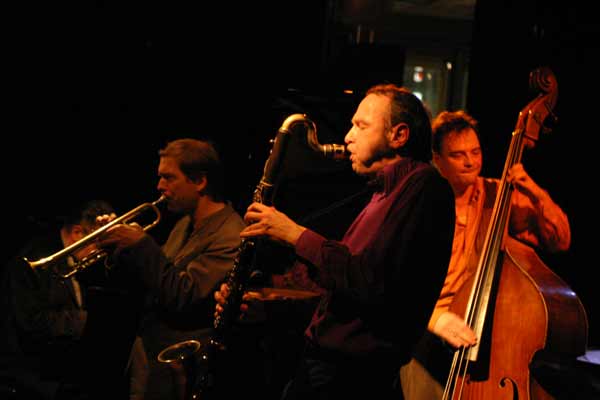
{"x":189,"y":283}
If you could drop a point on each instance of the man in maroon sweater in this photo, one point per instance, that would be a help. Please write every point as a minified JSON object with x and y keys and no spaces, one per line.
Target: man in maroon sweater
{"x":382,"y":279}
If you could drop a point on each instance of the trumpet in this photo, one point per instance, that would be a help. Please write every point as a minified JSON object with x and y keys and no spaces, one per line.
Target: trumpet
{"x":97,"y":254}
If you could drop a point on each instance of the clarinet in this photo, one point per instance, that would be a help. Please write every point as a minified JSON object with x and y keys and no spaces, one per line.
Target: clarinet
{"x":264,"y":192}
{"x":244,"y":263}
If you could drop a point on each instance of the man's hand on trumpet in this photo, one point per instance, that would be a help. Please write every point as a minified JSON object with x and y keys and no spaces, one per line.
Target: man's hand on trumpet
{"x":104,"y":219}
{"x":121,"y":236}
{"x":81,"y":230}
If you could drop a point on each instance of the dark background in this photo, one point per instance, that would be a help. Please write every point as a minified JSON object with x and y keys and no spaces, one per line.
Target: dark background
{"x":96,"y":88}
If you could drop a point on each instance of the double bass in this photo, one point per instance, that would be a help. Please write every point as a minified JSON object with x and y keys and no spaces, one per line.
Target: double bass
{"x":518,"y":308}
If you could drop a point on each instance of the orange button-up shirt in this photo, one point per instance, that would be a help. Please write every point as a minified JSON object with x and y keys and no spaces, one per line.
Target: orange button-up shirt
{"x":543,"y":225}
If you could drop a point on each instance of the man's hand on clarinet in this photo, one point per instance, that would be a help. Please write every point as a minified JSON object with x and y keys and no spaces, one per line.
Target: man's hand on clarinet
{"x":251,"y":307}
{"x":266,"y":221}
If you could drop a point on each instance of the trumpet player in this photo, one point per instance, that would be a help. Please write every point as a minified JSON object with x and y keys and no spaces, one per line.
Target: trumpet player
{"x":182,"y":275}
{"x":45,"y":353}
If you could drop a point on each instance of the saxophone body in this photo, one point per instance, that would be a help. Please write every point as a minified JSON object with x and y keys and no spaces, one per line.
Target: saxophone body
{"x":238,"y":278}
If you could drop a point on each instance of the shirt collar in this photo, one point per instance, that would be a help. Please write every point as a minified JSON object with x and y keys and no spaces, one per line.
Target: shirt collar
{"x":392,"y":173}
{"x":477,"y":190}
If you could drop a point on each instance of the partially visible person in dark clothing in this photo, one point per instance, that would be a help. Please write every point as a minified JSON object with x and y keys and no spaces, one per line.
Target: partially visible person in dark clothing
{"x":51,"y":349}
{"x":389,"y":266}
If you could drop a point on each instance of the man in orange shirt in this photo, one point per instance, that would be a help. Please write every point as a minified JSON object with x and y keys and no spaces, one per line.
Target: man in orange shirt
{"x":535,"y":220}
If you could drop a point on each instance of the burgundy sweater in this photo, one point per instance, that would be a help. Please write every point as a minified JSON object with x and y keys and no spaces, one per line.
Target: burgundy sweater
{"x":384,"y":277}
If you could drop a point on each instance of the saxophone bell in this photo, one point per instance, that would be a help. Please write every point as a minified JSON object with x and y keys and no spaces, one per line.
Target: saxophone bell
{"x":182,"y":358}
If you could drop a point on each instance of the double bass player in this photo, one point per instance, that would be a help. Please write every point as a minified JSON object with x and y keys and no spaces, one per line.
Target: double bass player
{"x":535,"y":219}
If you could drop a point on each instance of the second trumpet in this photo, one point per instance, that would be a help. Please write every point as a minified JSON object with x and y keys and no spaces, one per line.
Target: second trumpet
{"x":87,"y":240}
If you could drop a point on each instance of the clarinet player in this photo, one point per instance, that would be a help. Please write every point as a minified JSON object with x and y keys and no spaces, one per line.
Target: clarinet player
{"x":395,"y":253}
